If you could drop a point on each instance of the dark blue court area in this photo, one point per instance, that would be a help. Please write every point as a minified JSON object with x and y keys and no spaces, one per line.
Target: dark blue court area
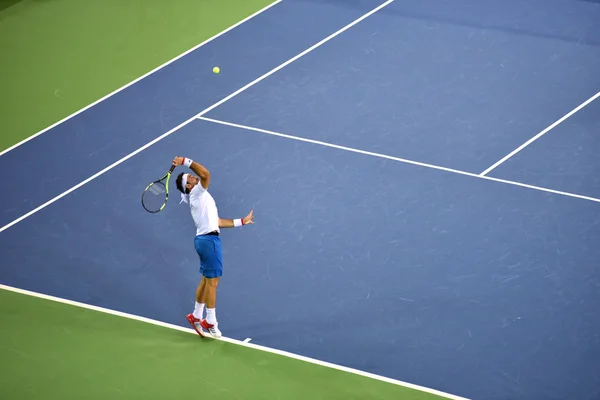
{"x":480,"y":288}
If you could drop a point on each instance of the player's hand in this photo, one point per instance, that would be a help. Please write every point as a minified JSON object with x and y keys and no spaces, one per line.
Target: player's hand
{"x":249,"y":218}
{"x":178,"y":161}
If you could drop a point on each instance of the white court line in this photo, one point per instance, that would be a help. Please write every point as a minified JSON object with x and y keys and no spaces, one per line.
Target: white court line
{"x":244,"y":343}
{"x":533,"y":139}
{"x":247,"y":340}
{"x":403,"y":160}
{"x":254,"y":82}
{"x":291,"y":60}
{"x":140,"y":78}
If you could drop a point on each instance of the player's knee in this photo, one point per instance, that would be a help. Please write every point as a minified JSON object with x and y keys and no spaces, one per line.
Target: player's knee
{"x":212,"y":282}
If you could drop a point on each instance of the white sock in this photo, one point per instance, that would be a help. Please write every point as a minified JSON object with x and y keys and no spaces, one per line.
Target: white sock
{"x":198,"y":310}
{"x":211,"y":316}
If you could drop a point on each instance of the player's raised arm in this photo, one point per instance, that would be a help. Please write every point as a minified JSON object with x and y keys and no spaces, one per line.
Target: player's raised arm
{"x":200,"y":170}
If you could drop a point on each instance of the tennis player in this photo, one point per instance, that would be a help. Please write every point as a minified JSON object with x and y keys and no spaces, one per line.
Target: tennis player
{"x":194,"y":191}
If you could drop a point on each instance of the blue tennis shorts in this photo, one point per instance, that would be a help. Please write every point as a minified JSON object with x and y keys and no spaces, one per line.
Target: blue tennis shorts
{"x":208,"y":248}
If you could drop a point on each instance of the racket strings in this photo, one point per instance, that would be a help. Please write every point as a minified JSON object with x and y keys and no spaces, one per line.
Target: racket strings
{"x":157,"y":189}
{"x":155,"y":197}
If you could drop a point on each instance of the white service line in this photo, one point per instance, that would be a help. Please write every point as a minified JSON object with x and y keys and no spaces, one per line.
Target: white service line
{"x":536,"y":137}
{"x":233,"y":341}
{"x":140,"y":78}
{"x":254,"y":82}
{"x":403,"y":160}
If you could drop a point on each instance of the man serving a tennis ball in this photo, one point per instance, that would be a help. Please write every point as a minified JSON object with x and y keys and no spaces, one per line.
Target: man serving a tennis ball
{"x":194,"y":191}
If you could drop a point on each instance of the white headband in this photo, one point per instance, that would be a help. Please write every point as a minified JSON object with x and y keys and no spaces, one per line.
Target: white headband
{"x":184,"y":197}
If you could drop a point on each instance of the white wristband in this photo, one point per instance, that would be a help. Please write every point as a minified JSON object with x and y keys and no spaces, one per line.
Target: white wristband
{"x":187,"y":162}
{"x":238,"y":222}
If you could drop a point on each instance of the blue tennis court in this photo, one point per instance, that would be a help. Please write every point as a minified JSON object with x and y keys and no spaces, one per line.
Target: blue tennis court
{"x":386,"y":238}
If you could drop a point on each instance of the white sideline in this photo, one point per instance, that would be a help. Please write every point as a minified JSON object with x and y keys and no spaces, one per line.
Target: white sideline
{"x":254,"y":82}
{"x":138,"y":79}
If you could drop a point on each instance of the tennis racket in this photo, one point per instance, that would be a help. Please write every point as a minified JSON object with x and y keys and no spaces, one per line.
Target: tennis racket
{"x":156,"y":194}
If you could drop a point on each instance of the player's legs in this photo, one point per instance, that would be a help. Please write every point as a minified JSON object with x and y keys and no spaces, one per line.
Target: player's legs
{"x":206,"y":295}
{"x":211,"y":268}
{"x":203,"y":248}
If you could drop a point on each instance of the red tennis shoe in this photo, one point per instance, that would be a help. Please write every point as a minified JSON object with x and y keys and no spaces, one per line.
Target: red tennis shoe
{"x":196,"y":324}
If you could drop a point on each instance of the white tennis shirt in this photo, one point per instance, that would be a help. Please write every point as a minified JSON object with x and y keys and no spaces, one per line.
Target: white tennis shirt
{"x":204,"y":210}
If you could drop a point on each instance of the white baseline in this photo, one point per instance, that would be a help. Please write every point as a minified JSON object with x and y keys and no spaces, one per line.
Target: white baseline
{"x":245,"y":343}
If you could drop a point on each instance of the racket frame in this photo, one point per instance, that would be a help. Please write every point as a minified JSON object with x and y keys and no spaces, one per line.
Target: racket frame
{"x":168,"y":178}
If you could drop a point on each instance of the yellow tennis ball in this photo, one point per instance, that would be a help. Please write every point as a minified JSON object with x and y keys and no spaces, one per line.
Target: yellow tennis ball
{"x":216,"y":70}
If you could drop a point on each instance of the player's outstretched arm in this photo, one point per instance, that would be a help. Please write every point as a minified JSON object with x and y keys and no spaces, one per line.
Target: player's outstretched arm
{"x":198,"y":169}
{"x":234,"y":223}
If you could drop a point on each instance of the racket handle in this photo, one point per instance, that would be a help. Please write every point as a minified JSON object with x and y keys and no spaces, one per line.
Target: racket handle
{"x":172,"y":169}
